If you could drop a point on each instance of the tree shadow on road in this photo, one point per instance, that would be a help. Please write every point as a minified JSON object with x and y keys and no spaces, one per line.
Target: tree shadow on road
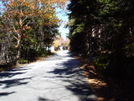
{"x":13,"y":72}
{"x":44,"y":99}
{"x":13,"y":82}
{"x":71,"y":73}
{"x":6,"y":93}
{"x":8,"y":79}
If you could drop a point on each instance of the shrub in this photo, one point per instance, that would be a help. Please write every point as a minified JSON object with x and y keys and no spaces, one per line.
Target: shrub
{"x":100,"y":62}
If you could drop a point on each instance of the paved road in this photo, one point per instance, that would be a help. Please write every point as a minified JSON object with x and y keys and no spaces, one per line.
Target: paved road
{"x":57,"y":78}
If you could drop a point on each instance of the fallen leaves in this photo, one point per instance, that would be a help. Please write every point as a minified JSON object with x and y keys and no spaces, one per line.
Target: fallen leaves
{"x":105,"y":89}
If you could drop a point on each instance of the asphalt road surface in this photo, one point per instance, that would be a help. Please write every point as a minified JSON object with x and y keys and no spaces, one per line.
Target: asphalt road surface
{"x":57,"y":78}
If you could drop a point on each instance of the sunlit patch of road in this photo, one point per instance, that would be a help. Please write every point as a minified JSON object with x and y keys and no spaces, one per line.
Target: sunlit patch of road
{"x":57,"y":78}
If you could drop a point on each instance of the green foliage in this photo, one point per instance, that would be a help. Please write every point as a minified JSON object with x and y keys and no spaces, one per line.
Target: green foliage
{"x":98,"y":26}
{"x":101,"y":62}
{"x":21,"y":61}
{"x":25,"y":29}
{"x":79,"y":28}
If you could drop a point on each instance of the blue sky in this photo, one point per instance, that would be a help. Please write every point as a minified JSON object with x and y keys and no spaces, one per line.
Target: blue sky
{"x":62,"y":28}
{"x":63,"y":16}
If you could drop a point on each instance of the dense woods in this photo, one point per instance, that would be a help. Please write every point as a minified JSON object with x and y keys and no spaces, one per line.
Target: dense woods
{"x":104,"y":30}
{"x":27,"y":29}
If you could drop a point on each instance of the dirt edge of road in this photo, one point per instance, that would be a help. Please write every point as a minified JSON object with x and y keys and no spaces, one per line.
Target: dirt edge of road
{"x":19,"y":65}
{"x":105,"y":89}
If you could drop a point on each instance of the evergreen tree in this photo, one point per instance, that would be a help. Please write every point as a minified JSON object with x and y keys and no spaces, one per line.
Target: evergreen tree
{"x":103,"y":28}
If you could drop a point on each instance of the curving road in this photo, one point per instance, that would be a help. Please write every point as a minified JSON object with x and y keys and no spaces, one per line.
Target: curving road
{"x":57,"y":78}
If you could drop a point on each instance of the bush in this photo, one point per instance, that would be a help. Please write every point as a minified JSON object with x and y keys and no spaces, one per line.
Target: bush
{"x":21,"y":61}
{"x":100,"y":62}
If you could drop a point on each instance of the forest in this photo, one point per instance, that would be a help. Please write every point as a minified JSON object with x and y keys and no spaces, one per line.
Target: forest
{"x":27,"y":29}
{"x":103,"y":30}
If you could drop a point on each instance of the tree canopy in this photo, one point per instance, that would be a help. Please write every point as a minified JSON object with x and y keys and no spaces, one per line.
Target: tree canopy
{"x":27,"y":28}
{"x":104,"y":29}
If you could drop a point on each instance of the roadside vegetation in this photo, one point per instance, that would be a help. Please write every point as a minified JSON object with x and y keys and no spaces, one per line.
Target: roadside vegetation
{"x":27,"y":29}
{"x":103,"y":31}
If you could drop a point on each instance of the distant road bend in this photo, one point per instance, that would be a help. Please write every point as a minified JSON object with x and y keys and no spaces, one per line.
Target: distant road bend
{"x":57,"y":78}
